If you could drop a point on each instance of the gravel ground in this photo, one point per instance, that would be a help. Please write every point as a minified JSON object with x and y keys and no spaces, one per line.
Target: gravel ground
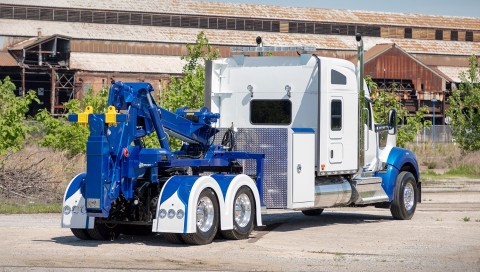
{"x":342,"y":239}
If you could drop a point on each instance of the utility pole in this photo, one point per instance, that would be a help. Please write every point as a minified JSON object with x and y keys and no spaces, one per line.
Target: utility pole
{"x":434,"y":100}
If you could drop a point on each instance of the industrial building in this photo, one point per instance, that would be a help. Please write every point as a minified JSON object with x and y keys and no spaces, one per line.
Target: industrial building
{"x":62,"y":48}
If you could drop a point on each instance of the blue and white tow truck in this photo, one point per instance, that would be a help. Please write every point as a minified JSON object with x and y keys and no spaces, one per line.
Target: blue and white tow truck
{"x":298,"y":133}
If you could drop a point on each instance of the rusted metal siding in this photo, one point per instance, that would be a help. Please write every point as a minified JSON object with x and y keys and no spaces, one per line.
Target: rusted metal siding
{"x":394,"y":64}
{"x":97,"y":81}
{"x":392,"y":32}
{"x":442,"y":60}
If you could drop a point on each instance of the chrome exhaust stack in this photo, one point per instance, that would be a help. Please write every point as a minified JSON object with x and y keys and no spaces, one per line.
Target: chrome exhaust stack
{"x":361,"y":106}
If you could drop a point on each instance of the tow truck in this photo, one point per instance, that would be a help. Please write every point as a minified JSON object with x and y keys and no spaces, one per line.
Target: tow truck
{"x":298,"y":133}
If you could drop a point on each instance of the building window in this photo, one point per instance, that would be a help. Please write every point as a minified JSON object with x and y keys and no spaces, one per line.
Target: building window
{"x":438,"y":34}
{"x":292,"y":27}
{"x":469,"y":36}
{"x":270,"y":112}
{"x":372,"y":31}
{"x":301,"y":28}
{"x":323,"y":28}
{"x":408,"y":33}
{"x":338,"y":78}
{"x":310,"y":28}
{"x":352,"y":30}
{"x":336,"y":115}
{"x":454,"y":35}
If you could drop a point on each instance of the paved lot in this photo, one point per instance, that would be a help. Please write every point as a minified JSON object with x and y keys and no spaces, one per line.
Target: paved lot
{"x":342,"y":239}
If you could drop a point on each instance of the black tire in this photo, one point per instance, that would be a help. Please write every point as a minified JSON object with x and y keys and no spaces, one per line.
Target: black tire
{"x":242,"y":232}
{"x":202,"y":237}
{"x":312,"y":212}
{"x":141,"y":230}
{"x":81,"y":234}
{"x":174,"y":238}
{"x":102,"y":231}
{"x":404,"y":187}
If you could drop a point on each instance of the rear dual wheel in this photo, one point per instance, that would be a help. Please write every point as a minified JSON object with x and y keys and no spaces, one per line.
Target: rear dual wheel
{"x":208,"y":214}
{"x":243,"y":215}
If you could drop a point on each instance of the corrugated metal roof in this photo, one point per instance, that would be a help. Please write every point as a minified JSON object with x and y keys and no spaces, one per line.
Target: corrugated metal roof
{"x":452,"y":72}
{"x":224,"y":37}
{"x":379,"y":49}
{"x":262,"y":11}
{"x":35,"y":41}
{"x":176,"y":35}
{"x":438,"y":47}
{"x":97,"y":62}
{"x":6,"y":59}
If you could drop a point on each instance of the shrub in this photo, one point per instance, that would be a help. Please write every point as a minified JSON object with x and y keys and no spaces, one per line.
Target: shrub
{"x":13,"y":129}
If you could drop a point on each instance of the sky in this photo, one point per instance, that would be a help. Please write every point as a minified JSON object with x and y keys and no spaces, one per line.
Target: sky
{"x":468,"y":8}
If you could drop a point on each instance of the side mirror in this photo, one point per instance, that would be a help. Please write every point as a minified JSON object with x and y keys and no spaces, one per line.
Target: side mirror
{"x":392,"y":122}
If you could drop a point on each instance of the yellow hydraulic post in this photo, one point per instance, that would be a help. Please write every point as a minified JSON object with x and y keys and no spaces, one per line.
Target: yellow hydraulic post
{"x":111,"y":116}
{"x":83,"y":117}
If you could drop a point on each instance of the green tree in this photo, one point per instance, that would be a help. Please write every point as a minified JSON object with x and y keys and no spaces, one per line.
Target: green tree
{"x":385,"y":101}
{"x":13,"y":129}
{"x":186,"y":91}
{"x":71,"y":137}
{"x":464,"y":108}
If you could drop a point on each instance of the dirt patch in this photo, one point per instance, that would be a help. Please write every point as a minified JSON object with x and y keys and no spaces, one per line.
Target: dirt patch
{"x":342,"y":239}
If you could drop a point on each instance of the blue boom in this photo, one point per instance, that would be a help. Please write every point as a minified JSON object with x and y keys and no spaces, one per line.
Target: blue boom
{"x":121,"y":172}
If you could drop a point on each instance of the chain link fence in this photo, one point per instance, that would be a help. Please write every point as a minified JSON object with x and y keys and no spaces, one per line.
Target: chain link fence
{"x":437,"y":133}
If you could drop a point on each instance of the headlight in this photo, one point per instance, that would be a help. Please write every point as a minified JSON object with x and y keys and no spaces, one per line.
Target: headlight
{"x":180,"y":214}
{"x":162,"y":213}
{"x":67,"y":210}
{"x":171,"y":213}
{"x":75,"y":209}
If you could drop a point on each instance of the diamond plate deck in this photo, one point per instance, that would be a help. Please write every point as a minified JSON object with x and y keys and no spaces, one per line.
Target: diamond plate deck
{"x":273,"y":142}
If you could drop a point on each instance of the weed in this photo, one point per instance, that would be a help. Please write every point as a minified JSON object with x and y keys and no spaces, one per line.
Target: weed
{"x":16,"y":206}
{"x":466,"y":219}
{"x":439,"y":219}
{"x":447,"y":157}
{"x":464,"y":170}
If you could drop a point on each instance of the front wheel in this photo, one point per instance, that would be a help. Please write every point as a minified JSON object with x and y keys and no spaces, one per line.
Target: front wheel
{"x":243,"y":215}
{"x":207,"y":211}
{"x":405,"y":197}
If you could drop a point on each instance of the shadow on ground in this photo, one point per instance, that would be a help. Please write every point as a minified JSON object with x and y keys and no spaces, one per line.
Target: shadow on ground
{"x":276,"y":222}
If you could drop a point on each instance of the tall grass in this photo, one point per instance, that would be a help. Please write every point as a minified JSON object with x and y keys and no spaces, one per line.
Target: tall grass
{"x":34,"y":179}
{"x":447,"y":157}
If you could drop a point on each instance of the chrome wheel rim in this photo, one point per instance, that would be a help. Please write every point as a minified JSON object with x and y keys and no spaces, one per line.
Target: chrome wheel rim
{"x":408,"y":196}
{"x":243,"y":210}
{"x":205,"y":214}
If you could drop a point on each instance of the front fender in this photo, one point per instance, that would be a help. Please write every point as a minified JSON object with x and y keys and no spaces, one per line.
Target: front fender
{"x":397,"y":158}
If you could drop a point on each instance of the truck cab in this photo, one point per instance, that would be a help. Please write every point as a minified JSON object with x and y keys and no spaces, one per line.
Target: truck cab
{"x":315,"y":125}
